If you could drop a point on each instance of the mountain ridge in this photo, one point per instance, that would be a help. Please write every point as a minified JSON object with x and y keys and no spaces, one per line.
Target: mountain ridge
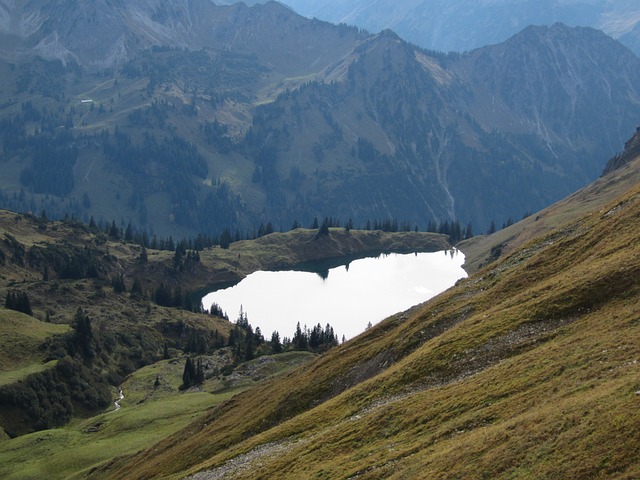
{"x":467,"y":25}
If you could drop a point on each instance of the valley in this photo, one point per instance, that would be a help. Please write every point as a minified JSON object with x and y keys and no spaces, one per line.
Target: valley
{"x":153,"y":151}
{"x":467,"y":368}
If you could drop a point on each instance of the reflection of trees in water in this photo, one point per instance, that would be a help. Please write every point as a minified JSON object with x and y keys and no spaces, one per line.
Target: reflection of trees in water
{"x":324,"y":274}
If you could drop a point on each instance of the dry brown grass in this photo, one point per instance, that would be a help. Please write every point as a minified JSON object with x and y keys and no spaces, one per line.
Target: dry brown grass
{"x":527,"y":369}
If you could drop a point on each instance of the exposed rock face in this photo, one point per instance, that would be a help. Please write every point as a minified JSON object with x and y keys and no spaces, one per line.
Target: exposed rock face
{"x":105,"y":33}
{"x":631,"y":152}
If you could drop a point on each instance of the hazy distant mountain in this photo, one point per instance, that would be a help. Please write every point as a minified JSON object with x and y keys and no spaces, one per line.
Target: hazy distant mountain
{"x":186,"y":116}
{"x":462,"y":25}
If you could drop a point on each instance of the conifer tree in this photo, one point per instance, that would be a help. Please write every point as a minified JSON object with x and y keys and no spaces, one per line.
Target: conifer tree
{"x":199,"y":376}
{"x":276,"y":346}
{"x":18,"y":301}
{"x":189,"y":376}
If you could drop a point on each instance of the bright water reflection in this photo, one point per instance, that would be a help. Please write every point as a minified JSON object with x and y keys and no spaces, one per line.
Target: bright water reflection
{"x":366,"y":290}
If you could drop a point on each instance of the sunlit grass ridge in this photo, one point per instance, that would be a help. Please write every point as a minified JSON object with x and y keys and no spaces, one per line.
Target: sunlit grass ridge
{"x":527,"y":369}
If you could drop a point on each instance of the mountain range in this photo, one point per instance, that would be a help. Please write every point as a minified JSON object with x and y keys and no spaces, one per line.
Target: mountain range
{"x":184,"y":117}
{"x":469,"y":24}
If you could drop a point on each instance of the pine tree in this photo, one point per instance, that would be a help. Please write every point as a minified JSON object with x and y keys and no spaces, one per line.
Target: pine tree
{"x":276,"y":346}
{"x":199,"y":377}
{"x":128,"y":234}
{"x":188,"y":375}
{"x":118,"y":284}
{"x":82,"y":338}
{"x":114,"y":231}
{"x":144,"y":257}
{"x":300,"y":338}
{"x":18,"y":301}
{"x":468,"y":232}
{"x":136,"y":288}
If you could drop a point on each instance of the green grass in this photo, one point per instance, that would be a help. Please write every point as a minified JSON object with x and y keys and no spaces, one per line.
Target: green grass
{"x":19,"y":373}
{"x":76,"y":448}
{"x":20,"y":339}
{"x":149,"y":413}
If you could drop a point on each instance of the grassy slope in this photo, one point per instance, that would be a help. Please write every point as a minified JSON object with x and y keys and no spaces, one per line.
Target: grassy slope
{"x":529,"y":368}
{"x":148,"y":414}
{"x":20,"y":339}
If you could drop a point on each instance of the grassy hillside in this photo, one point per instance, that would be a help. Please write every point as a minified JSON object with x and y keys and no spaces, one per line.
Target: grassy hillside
{"x":527,"y":369}
{"x":103,"y":309}
{"x":20,"y":339}
{"x":148,"y":413}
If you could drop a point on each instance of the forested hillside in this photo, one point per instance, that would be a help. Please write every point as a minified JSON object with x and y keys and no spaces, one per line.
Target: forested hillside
{"x":86,"y":307}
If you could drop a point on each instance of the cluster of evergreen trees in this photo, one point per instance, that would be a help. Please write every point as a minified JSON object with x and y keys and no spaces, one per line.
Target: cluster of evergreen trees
{"x":199,"y":341}
{"x":248,"y":343}
{"x":67,"y":261}
{"x":166,"y":296}
{"x":193,"y":374}
{"x":18,"y":300}
{"x":50,"y":398}
{"x":317,"y":339}
{"x":453,"y":230}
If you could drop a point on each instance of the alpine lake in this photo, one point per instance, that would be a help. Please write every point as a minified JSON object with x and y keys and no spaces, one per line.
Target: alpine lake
{"x":349,"y":295}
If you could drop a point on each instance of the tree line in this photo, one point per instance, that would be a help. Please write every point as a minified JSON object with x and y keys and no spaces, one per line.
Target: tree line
{"x":247,"y":343}
{"x":18,"y":300}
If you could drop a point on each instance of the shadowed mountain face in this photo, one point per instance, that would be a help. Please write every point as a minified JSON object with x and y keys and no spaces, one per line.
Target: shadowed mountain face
{"x":185,"y":116}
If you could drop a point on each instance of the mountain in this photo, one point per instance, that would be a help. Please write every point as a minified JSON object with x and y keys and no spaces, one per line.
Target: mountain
{"x":527,"y":368}
{"x":469,"y":24}
{"x":188,"y":117}
{"x":107,"y":33}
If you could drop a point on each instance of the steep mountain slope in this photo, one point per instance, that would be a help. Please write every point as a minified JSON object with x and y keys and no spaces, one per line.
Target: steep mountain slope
{"x":528,"y":368}
{"x":468,"y":24}
{"x":450,"y":137}
{"x":205,"y":119}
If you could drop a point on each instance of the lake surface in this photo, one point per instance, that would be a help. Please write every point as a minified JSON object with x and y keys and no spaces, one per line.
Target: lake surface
{"x":348,"y":297}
